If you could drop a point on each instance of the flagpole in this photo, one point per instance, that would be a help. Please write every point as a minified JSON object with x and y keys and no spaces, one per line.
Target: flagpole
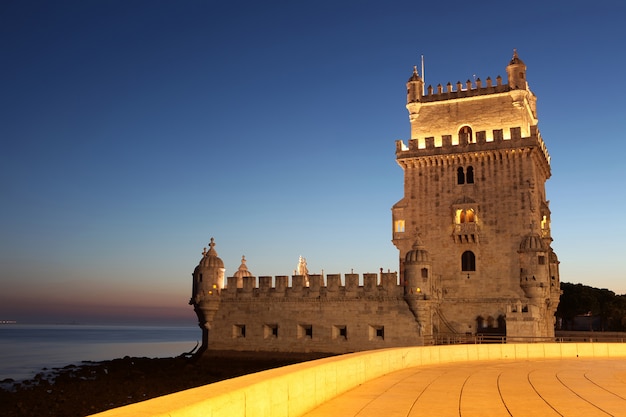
{"x":423,"y":78}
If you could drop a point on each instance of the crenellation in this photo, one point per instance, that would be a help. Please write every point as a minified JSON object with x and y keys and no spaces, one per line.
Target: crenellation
{"x":467,"y":89}
{"x":386,"y":282}
{"x":432,"y":145}
{"x":265,"y":283}
{"x":370,"y":281}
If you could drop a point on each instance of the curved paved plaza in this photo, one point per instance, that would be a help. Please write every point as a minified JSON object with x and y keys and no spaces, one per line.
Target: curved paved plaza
{"x":565,"y":387}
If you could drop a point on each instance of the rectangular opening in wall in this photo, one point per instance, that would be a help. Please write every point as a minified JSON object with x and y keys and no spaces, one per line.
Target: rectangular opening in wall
{"x":541,"y":260}
{"x":305,"y":331}
{"x":239,"y":330}
{"x":270,"y":331}
{"x":399,"y":226}
{"x":340,"y":332}
{"x":376,"y":332}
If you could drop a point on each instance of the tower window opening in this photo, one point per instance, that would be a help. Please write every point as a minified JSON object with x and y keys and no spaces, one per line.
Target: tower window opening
{"x":424,"y":272}
{"x":466,"y":133}
{"x":468,"y":261}
{"x":460,"y":176}
{"x":465,"y":216}
{"x":470,"y":175}
{"x":399,"y":226}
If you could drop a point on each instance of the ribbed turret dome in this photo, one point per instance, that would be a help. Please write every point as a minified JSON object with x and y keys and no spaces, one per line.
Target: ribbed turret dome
{"x":532,"y":243}
{"x":243,"y":269}
{"x":210,"y":258}
{"x":418,"y":254}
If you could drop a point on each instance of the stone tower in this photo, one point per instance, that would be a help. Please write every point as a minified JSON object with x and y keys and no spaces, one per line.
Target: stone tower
{"x":473,"y":227}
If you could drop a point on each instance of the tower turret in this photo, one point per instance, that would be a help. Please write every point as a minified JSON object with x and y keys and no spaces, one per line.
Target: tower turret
{"x":208,"y":280}
{"x":414,"y":87}
{"x":534,"y":269}
{"x":516,"y":73}
{"x":418,"y":286}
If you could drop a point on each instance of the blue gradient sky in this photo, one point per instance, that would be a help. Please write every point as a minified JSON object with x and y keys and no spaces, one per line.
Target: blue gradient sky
{"x":134,"y":131}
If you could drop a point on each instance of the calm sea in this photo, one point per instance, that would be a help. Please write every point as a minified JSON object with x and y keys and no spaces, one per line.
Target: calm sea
{"x":26,"y":349}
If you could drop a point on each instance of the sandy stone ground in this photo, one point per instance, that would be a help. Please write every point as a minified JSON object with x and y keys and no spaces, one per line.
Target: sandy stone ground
{"x":92,"y":387}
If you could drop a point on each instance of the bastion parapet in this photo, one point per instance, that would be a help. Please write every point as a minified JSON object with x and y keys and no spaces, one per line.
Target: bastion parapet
{"x":373,"y":285}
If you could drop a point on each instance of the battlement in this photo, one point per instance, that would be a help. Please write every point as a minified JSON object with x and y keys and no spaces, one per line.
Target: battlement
{"x":467,"y":89}
{"x":374,"y":285}
{"x":497,"y":139}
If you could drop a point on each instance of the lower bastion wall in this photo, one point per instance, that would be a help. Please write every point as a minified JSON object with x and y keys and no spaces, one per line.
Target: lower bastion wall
{"x":331,"y":318}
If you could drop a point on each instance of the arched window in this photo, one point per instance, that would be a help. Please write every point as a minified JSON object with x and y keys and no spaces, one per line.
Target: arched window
{"x":470,"y":216}
{"x":465,"y":132}
{"x":468,"y":261}
{"x":470,"y":175}
{"x":460,"y":176}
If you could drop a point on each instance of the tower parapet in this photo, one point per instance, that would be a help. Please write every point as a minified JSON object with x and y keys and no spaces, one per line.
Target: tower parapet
{"x":496,"y":139}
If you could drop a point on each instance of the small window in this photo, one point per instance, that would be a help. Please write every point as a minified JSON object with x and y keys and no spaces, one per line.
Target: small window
{"x":377,"y":332}
{"x":541,"y":260}
{"x":305,"y":331}
{"x":270,"y":331}
{"x":399,"y":226}
{"x":239,"y":331}
{"x":340,"y":332}
{"x":468,"y":261}
{"x":424,"y":272}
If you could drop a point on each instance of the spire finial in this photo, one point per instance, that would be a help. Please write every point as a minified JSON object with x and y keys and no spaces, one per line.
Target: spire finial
{"x":212,"y":251}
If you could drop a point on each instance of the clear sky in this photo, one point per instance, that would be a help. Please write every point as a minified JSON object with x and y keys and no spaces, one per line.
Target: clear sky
{"x":134,"y":131}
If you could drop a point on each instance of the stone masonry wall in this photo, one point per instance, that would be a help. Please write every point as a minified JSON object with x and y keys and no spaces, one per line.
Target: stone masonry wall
{"x":335,"y":318}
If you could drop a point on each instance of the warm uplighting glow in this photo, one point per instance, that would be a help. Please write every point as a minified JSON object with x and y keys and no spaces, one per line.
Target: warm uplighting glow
{"x":399,"y":226}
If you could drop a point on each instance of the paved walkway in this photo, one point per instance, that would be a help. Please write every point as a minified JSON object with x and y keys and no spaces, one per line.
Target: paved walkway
{"x":545,"y":388}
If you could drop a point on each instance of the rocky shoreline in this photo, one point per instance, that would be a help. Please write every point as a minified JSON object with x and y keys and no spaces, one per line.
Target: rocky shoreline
{"x":92,"y":387}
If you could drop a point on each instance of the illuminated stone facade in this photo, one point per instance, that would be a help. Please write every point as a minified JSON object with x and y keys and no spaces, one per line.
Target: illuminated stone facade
{"x":473,"y":232}
{"x":473,"y":228}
